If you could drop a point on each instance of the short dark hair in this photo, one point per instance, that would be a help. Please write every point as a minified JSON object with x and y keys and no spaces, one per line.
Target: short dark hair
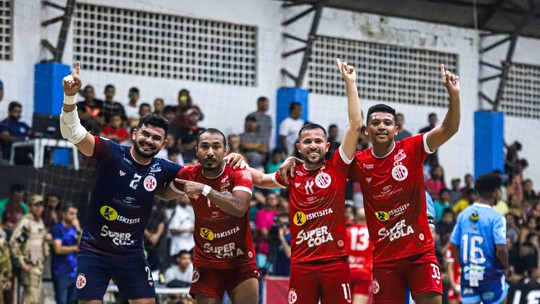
{"x":311,"y":126}
{"x":156,"y":121}
{"x":251,"y":118}
{"x":293,"y":105}
{"x":400,"y":114}
{"x":134,"y":90}
{"x":16,"y":188}
{"x":443,"y":190}
{"x":432,"y":115}
{"x":144,"y":104}
{"x":181,"y":253}
{"x":261,"y":99}
{"x":169,"y":109}
{"x":518,"y":145}
{"x":109,"y":86}
{"x":332,"y":126}
{"x":381,"y":108}
{"x":488,"y":183}
{"x":13,"y":105}
{"x":67,"y":206}
{"x":213,"y":131}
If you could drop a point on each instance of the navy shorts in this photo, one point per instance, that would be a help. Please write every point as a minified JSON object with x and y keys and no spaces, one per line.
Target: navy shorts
{"x":132,"y":275}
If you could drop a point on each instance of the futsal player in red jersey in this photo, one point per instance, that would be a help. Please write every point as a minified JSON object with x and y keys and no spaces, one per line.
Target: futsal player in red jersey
{"x":454,"y":275}
{"x":391,"y":177}
{"x":319,"y":268}
{"x":360,"y":251}
{"x":224,"y":257}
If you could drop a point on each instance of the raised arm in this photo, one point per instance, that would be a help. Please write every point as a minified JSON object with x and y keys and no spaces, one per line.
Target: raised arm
{"x":264,"y":181}
{"x":352,"y":133}
{"x":70,"y":124}
{"x":450,"y":125}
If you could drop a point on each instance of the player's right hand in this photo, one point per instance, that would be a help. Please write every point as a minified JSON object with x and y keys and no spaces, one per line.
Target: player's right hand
{"x":236,"y":161}
{"x":72,"y":83}
{"x":287,"y":167}
{"x":347,"y":71}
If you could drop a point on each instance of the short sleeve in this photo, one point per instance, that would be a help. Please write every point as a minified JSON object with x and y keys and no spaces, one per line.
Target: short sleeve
{"x":499,"y":230}
{"x":56,"y":233}
{"x":284,"y":128}
{"x":243,"y":181}
{"x":102,"y":149}
{"x":278,"y":181}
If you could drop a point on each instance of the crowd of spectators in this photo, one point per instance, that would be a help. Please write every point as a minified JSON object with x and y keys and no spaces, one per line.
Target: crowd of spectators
{"x":169,"y":235}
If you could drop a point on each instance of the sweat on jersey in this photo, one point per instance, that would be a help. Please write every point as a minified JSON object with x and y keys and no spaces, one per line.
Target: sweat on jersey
{"x":222,"y":241}
{"x":394,"y":198}
{"x":317,"y":210}
{"x":122,"y":200}
{"x":478,"y":229}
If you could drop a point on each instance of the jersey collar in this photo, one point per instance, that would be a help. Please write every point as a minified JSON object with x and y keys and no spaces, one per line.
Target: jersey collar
{"x":482,"y":205}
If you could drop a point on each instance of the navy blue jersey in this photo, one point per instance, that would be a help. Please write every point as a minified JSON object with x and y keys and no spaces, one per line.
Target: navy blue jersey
{"x":122,"y":200}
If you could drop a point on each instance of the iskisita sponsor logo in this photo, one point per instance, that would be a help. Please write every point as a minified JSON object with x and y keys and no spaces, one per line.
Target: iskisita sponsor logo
{"x":110,"y":214}
{"x":300,"y":217}
{"x":210,"y":235}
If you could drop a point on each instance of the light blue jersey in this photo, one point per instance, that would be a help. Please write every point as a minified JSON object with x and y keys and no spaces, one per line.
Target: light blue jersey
{"x":430,"y":208}
{"x":478,"y":229}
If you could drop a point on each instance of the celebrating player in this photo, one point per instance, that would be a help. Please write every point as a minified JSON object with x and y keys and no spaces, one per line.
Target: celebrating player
{"x":479,"y":240}
{"x":127,"y":181}
{"x":360,"y":251}
{"x":224,"y":254}
{"x":319,"y":268}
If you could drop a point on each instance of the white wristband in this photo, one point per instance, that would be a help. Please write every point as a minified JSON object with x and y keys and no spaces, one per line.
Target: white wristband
{"x":206,"y":190}
{"x":69,"y":100}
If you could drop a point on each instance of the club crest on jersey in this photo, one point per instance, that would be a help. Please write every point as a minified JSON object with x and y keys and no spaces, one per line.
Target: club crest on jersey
{"x":206,"y":233}
{"x":81,"y":281}
{"x":474,"y":217}
{"x":382,"y":216}
{"x":150,"y":183}
{"x":400,"y":173}
{"x":323,"y":180}
{"x":292,"y":297}
{"x":299,"y":218}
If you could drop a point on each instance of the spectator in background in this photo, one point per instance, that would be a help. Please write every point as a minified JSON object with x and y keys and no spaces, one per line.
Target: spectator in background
{"x":170,"y":114}
{"x":436,"y":182}
{"x":528,"y":192}
{"x":144,"y":110}
{"x":12,"y":209}
{"x":159,"y":105}
{"x":282,"y":262}
{"x":445,"y":226}
{"x":469,"y":184}
{"x":5,"y":266}
{"x":233,"y":142}
{"x":181,"y":226}
{"x":65,"y":235}
{"x":500,"y":204}
{"x":333,"y":134}
{"x":432,"y":159}
{"x":402,"y":132}
{"x":263,"y":222}
{"x":289,"y":127}
{"x":455,"y":192}
{"x":470,"y":197}
{"x":154,"y":237}
{"x":90,"y":111}
{"x":52,"y":214}
{"x":264,"y":121}
{"x":185,"y":104}
{"x":273,"y":165}
{"x":180,"y":275}
{"x":171,"y":151}
{"x":188,"y":135}
{"x":111,"y":107}
{"x":132,"y":108}
{"x":1,"y":90}
{"x":252,"y":145}
{"x":512,"y":158}
{"x":114,"y":130}
{"x":442,"y":203}
{"x":13,"y":130}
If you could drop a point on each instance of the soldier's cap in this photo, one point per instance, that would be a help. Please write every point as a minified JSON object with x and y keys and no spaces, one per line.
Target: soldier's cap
{"x":36,"y":200}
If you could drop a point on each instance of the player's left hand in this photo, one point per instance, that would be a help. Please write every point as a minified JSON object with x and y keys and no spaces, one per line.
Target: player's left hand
{"x":450,"y":81}
{"x":192,"y":189}
{"x":287,"y":167}
{"x":348,"y":72}
{"x":236,"y":161}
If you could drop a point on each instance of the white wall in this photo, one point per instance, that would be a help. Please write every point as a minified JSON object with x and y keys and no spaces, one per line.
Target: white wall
{"x":226,"y":106}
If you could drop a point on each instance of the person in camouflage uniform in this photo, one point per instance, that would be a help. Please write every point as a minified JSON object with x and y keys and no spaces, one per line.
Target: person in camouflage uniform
{"x":30,"y":246}
{"x":5,"y":265}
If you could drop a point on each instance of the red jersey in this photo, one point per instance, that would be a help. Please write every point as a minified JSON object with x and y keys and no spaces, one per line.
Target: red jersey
{"x":222,"y":241}
{"x":360,"y":250}
{"x":317,"y":210}
{"x":457,"y":269}
{"x":394,"y":199}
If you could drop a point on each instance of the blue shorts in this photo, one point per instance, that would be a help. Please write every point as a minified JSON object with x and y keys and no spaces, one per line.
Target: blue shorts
{"x":491,"y":292}
{"x":132,"y":275}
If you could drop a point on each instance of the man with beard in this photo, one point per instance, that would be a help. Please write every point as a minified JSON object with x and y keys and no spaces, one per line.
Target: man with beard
{"x":224,"y":257}
{"x":127,"y":180}
{"x":319,"y":268}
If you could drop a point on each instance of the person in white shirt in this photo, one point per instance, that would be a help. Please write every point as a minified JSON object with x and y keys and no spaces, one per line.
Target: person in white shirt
{"x":289,"y":127}
{"x":181,"y":226}
{"x":183,"y":272}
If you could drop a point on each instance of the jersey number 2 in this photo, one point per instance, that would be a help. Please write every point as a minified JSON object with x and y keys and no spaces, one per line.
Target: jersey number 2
{"x":135,"y":181}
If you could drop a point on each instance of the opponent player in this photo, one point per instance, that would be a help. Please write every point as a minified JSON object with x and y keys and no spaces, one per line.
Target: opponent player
{"x":224,"y":254}
{"x":126,"y":181}
{"x":360,"y":251}
{"x":319,"y":268}
{"x":391,"y":177}
{"x":479,"y":240}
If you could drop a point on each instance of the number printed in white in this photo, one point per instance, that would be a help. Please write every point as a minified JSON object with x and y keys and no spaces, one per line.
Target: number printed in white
{"x":436,"y":272}
{"x":147,"y":269}
{"x":359,"y":238}
{"x":135,"y":181}
{"x":309,"y":187}
{"x":346,"y":291}
{"x":475,"y":255}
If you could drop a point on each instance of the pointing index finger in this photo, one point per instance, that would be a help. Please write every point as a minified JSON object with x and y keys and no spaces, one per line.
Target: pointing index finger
{"x":181,"y":181}
{"x":443,"y":71}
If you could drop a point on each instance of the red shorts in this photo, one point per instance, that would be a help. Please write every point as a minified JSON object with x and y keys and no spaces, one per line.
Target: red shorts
{"x":214,"y":282}
{"x":327,"y":281}
{"x":360,"y":282}
{"x":421,"y":273}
